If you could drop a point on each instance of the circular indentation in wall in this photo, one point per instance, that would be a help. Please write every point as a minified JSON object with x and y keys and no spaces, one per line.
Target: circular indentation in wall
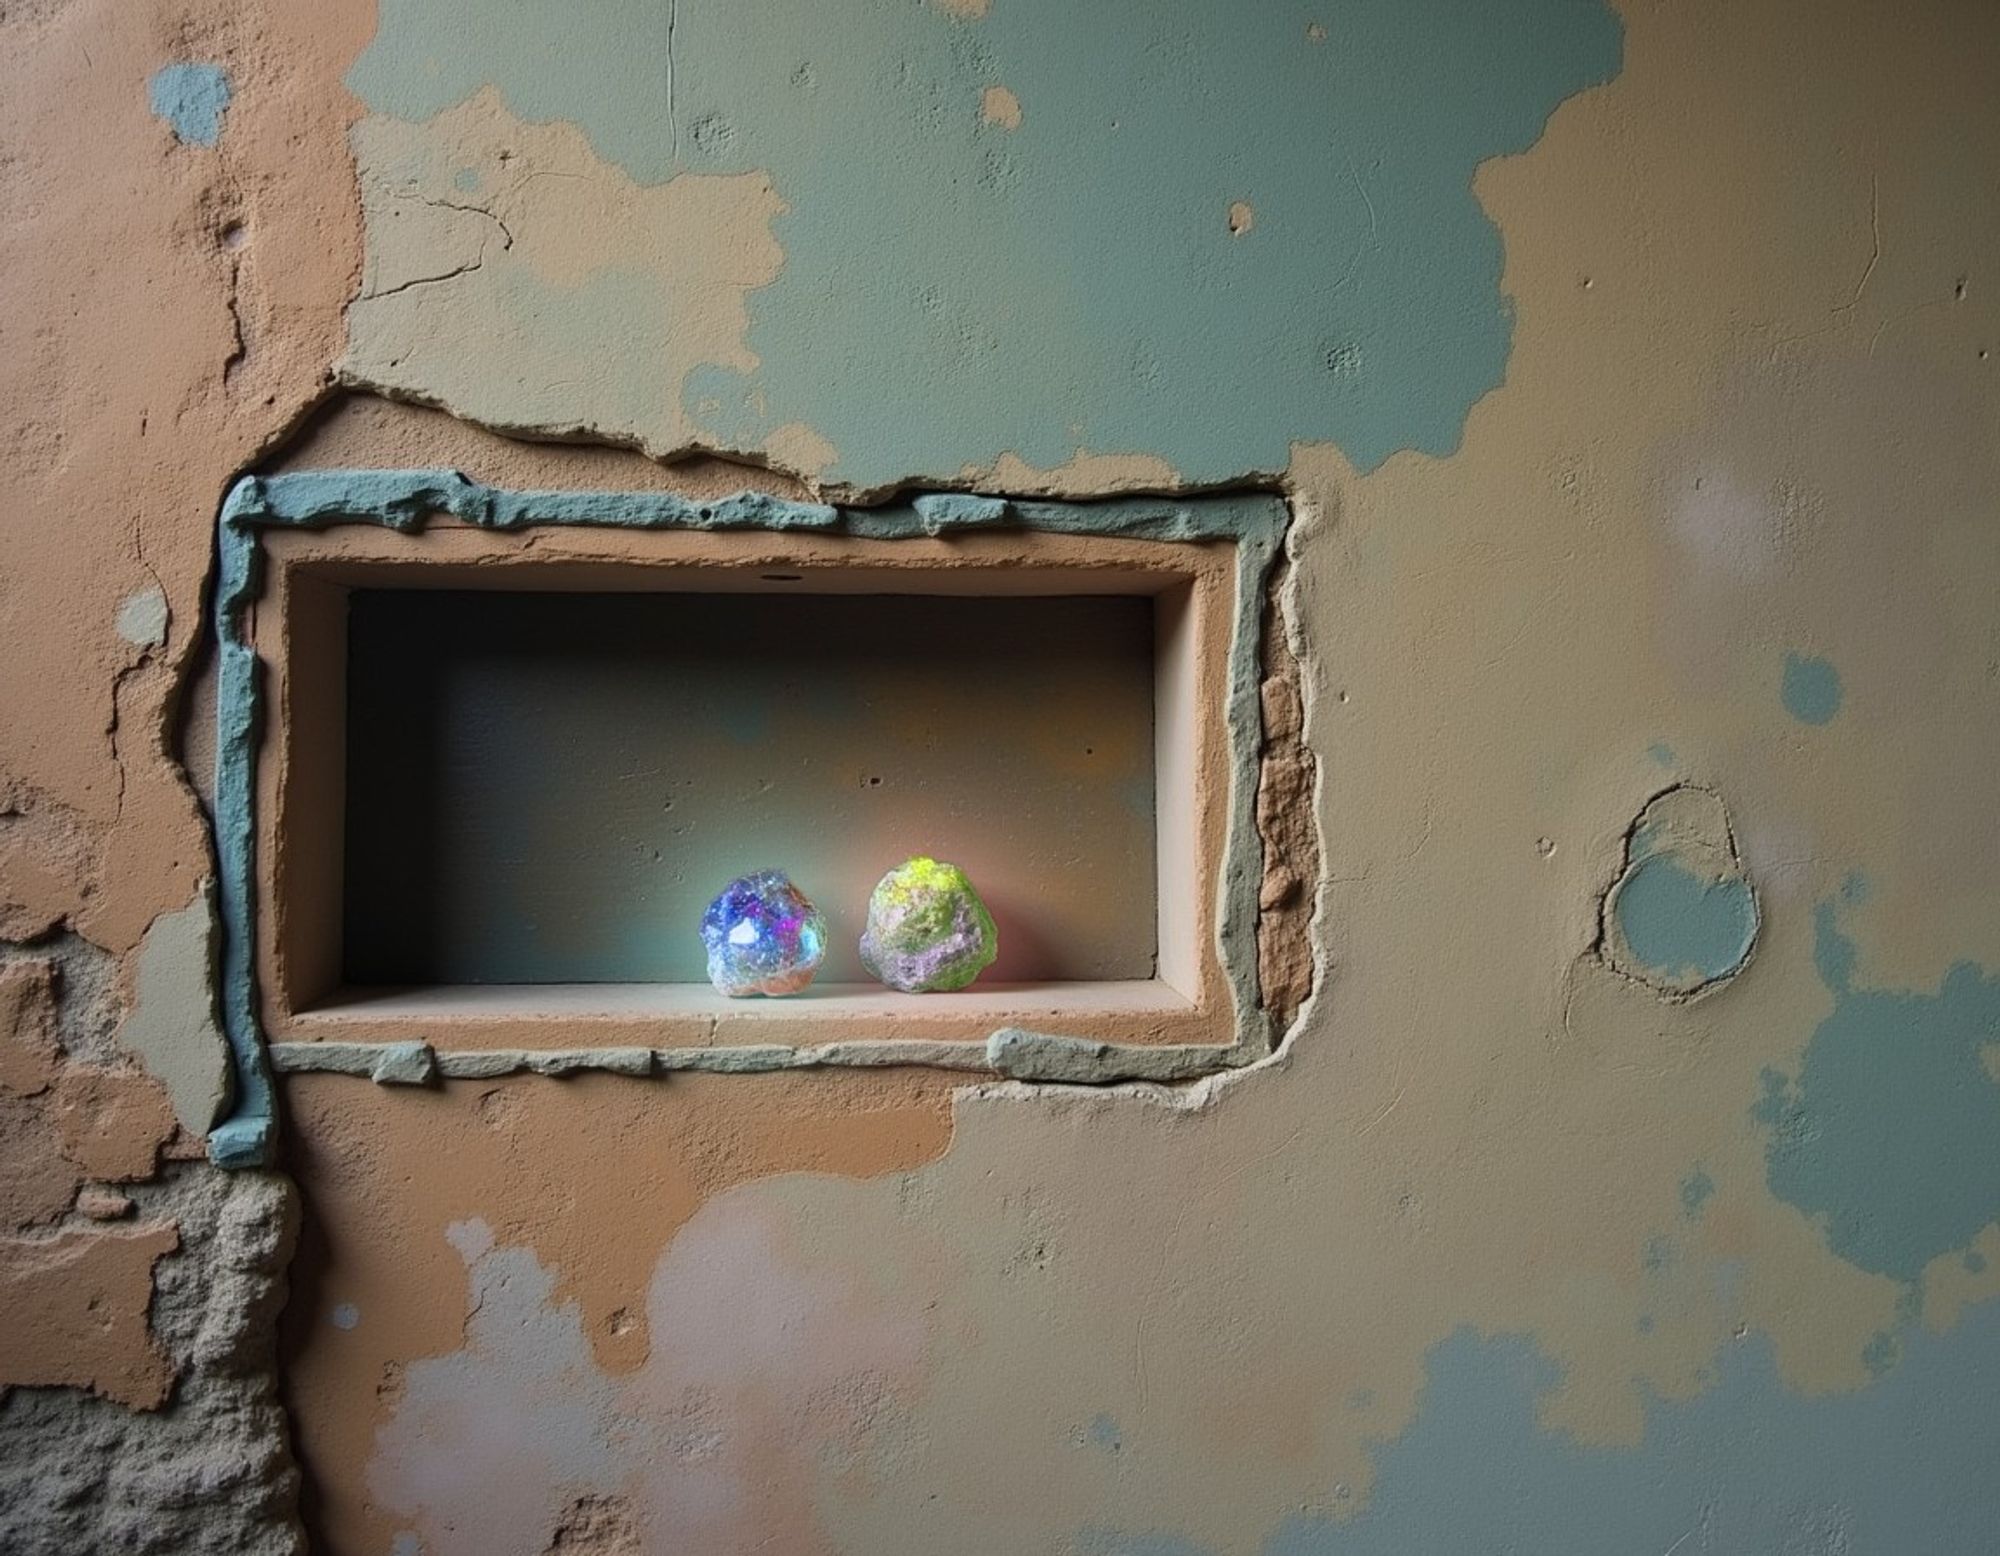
{"x":1682,"y":917}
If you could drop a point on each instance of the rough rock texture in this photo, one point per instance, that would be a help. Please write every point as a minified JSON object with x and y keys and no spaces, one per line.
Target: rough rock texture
{"x":927,"y":929}
{"x":1288,"y":825}
{"x":211,"y":1471}
{"x":138,"y":1406}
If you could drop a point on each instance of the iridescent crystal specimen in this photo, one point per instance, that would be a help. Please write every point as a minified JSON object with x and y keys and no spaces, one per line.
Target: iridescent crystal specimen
{"x":927,"y":929}
{"x":763,"y":936}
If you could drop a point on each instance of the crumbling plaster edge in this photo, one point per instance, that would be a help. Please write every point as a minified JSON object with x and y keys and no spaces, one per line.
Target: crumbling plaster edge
{"x":1257,"y":524}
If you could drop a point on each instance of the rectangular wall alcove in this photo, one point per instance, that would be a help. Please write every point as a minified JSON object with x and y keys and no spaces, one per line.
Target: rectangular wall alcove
{"x":502,"y":771}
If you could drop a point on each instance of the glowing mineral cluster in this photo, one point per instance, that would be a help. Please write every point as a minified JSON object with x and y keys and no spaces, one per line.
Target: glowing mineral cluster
{"x":927,"y":929}
{"x":763,"y":936}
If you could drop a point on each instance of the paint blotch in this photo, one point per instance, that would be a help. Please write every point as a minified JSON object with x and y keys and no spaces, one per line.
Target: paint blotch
{"x":142,"y":617}
{"x":1697,"y":1188}
{"x":1889,"y":1136}
{"x":764,"y":1369}
{"x":345,"y":1316}
{"x":472,"y":1239}
{"x":1811,"y":689}
{"x":1904,"y":1464}
{"x":1661,"y":753}
{"x":999,"y":106}
{"x":191,"y":98}
{"x":1241,"y":217}
{"x":1682,"y":917}
{"x":1103,"y":1433}
{"x":1003,"y":283}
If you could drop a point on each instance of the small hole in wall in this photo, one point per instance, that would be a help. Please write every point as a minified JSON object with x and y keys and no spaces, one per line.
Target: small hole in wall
{"x":232,"y":235}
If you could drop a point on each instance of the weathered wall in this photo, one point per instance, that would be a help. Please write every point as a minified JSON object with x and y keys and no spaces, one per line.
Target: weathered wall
{"x":1632,"y":1177}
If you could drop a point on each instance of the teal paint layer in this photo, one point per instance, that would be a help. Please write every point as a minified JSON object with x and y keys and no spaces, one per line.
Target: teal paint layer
{"x":245,"y":1138}
{"x":1111,"y":1542}
{"x":404,"y":499}
{"x":1697,"y":1188}
{"x":1889,"y":1135}
{"x":1903,"y":1465}
{"x":953,"y":290}
{"x":193,"y":99}
{"x":1683,"y":926}
{"x":1811,"y":689}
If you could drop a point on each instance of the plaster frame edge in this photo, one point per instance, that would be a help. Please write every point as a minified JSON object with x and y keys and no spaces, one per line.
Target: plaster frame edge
{"x":1255,"y":523}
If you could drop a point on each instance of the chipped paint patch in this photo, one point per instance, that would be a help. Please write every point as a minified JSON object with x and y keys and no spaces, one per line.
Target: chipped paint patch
{"x":174,"y":1028}
{"x":999,"y":106}
{"x":592,"y":296}
{"x":143,"y":616}
{"x":1811,"y":690}
{"x":1747,"y":1466}
{"x":766,"y":1365}
{"x":1886,"y":1136}
{"x":191,"y":98}
{"x":77,"y":1308}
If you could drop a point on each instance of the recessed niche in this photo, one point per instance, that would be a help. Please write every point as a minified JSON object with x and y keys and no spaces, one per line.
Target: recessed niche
{"x":501,"y":775}
{"x":548,"y":787}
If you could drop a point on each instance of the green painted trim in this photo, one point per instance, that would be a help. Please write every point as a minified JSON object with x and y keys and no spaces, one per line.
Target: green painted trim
{"x":404,"y":499}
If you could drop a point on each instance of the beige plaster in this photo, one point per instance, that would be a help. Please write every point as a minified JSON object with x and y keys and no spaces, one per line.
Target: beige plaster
{"x":544,"y":208}
{"x":76,"y":1313}
{"x":997,"y":105}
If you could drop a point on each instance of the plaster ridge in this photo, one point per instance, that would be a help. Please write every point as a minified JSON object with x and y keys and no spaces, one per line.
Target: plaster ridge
{"x":404,"y":501}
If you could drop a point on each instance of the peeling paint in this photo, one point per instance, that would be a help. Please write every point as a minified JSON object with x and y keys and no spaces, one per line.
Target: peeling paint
{"x":173,"y":1026}
{"x":1007,"y":293}
{"x":143,"y":617}
{"x":1886,"y":1134}
{"x":193,"y":99}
